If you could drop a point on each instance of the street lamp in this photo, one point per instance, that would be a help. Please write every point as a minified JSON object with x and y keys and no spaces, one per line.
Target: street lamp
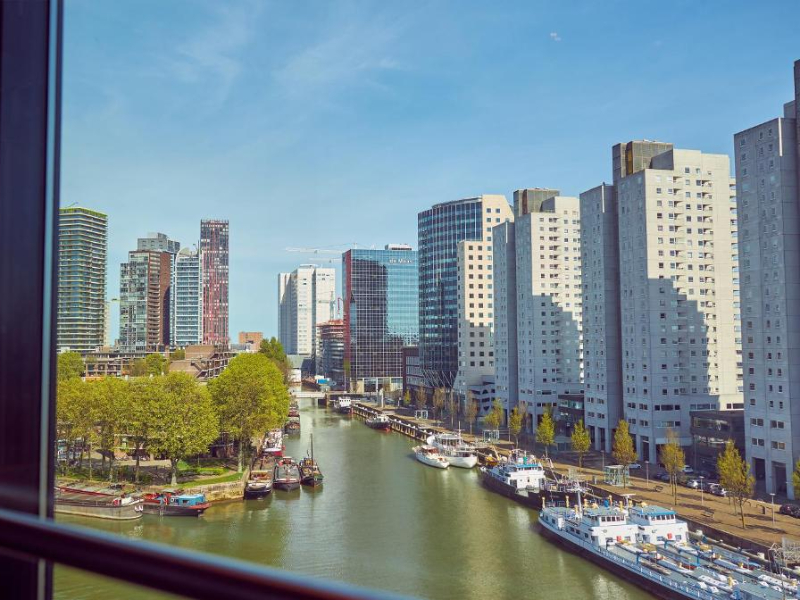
{"x":772,"y":501}
{"x":701,"y":490}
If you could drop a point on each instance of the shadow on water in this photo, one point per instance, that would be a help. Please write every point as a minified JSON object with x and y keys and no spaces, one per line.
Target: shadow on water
{"x":380,"y":520}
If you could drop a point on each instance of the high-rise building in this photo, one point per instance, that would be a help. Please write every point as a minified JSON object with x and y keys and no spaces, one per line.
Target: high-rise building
{"x":530,"y":200}
{"x":144,"y":301}
{"x":678,"y":287}
{"x":381,"y":314}
{"x":306,"y":297}
{"x":544,"y":311}
{"x":475,"y":317}
{"x":330,"y":351}
{"x":602,"y":369}
{"x":214,"y":255}
{"x":440,"y":229}
{"x":768,"y":178}
{"x":188,"y":297}
{"x":82,"y":262}
{"x":160,"y":241}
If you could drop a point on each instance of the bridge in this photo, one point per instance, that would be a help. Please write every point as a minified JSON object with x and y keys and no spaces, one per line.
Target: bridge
{"x":299,"y":394}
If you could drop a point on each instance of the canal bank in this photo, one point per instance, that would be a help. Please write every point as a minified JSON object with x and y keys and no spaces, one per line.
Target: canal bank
{"x":381,"y":520}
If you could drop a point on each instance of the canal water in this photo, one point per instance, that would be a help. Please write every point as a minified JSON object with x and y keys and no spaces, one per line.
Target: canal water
{"x":381,"y":520}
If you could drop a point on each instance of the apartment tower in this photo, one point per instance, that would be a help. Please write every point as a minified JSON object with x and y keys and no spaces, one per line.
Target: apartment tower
{"x":162,"y":242}
{"x":214,"y":254}
{"x":306,"y":297}
{"x":144,"y":301}
{"x":768,"y":176}
{"x":82,"y":263}
{"x":188,"y":299}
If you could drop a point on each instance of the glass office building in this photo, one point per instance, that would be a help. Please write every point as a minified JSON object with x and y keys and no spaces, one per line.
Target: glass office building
{"x":188,"y":299}
{"x":380,"y":315}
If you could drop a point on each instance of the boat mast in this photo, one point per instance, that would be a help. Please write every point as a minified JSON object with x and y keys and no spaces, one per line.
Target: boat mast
{"x":312,"y":447}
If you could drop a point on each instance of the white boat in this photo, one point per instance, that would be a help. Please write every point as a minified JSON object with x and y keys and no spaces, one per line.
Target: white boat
{"x":430,"y":456}
{"x":343,"y":405}
{"x":453,"y":447}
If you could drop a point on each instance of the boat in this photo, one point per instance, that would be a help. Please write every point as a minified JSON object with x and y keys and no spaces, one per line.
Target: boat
{"x":292,"y":425}
{"x":487,"y":455}
{"x":379,"y":421}
{"x":453,"y":447}
{"x":273,"y":443}
{"x":259,"y":483}
{"x":310,"y":473}
{"x":100,"y":504}
{"x":294,"y":409}
{"x":520,"y":478}
{"x":286,"y":475}
{"x":173,"y":503}
{"x":430,"y":456}
{"x":344,"y":405}
{"x":651,"y":546}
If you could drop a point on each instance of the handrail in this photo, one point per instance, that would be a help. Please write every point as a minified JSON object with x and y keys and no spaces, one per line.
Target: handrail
{"x":186,"y":573}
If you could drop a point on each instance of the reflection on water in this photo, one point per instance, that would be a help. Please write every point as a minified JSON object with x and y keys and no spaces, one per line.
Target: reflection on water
{"x":381,"y":520}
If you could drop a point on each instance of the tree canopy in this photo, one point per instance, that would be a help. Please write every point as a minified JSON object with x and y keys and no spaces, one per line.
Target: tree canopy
{"x":734,"y":476}
{"x":471,"y":410}
{"x":546,"y":430}
{"x":515,"y":421}
{"x":622,"y":450}
{"x":494,"y":419}
{"x":673,"y":459}
{"x":69,"y":366}
{"x":273,"y":350}
{"x":581,"y":441}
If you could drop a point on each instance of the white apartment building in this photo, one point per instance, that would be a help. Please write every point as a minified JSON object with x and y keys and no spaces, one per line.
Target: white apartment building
{"x":504,"y":252}
{"x":679,"y":294}
{"x":547,"y":303}
{"x":768,"y":172}
{"x":475,"y":317}
{"x":602,"y":373}
{"x":306,"y":297}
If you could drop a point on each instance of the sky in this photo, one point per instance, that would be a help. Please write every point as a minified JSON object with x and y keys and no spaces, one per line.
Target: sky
{"x":328,"y":124}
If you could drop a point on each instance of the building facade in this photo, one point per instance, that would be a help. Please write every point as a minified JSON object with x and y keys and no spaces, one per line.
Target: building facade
{"x":82,"y":279}
{"x":330,"y":351}
{"x":679,"y":295}
{"x":144,"y":301}
{"x":215,"y":259}
{"x":768,"y":177}
{"x":546,"y":301}
{"x":188,"y":299}
{"x":306,"y":298}
{"x":381,"y":310}
{"x":162,"y":242}
{"x":440,"y":229}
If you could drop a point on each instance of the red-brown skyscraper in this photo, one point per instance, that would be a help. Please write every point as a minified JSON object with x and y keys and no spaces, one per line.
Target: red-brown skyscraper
{"x":214,"y":252}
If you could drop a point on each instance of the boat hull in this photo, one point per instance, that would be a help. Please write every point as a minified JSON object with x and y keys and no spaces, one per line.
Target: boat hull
{"x":255,"y":494}
{"x":126,"y":512}
{"x":154,"y":508}
{"x":530,"y":499}
{"x":462,"y":462}
{"x":312,"y":481}
{"x":432,"y":463}
{"x":286,"y":486}
{"x":380,"y":426}
{"x":632,"y":576}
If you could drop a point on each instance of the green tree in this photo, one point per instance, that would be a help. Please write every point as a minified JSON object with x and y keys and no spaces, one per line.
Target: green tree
{"x":673,"y":459}
{"x":515,"y":421}
{"x":494,"y":418}
{"x":734,"y":476}
{"x":69,"y":366}
{"x":407,"y":399}
{"x":420,"y":398}
{"x":796,"y":479}
{"x":177,"y":354}
{"x":110,"y":397}
{"x":273,"y":350}
{"x":471,"y":410}
{"x":546,"y":430}
{"x":69,"y":406}
{"x":438,"y":401}
{"x":138,"y":368}
{"x":622,"y":450}
{"x":187,"y":421}
{"x":250,"y":398}
{"x":155,"y":364}
{"x":139,"y":414}
{"x":581,"y":441}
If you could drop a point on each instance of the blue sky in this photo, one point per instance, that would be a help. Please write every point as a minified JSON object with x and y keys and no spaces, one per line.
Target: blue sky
{"x":314,"y":123}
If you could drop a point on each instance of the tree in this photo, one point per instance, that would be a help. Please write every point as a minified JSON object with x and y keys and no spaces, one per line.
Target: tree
{"x":177,"y":354}
{"x":420,"y":398}
{"x":452,"y":407}
{"x":273,"y":350}
{"x":734,"y":476}
{"x":515,"y":421}
{"x":438,"y":401}
{"x":69,"y":406}
{"x":69,"y":366}
{"x":581,"y":441}
{"x":494,"y":419}
{"x":622,"y":450}
{"x":407,"y":398}
{"x":139,"y":414}
{"x":796,"y":479}
{"x":250,"y":398}
{"x":546,"y":430}
{"x":110,"y":398}
{"x":138,"y":368}
{"x":673,"y":459}
{"x":471,"y":410}
{"x":187,"y":421}
{"x":155,"y":364}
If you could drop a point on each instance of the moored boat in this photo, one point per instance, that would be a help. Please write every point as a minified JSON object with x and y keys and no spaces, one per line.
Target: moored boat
{"x":379,"y":421}
{"x":273,"y":443}
{"x":310,"y":473}
{"x":344,"y":405}
{"x":259,"y":483}
{"x":429,"y":455}
{"x":453,"y":447}
{"x":287,"y":474}
{"x":97,"y":504}
{"x":292,"y":425}
{"x":173,"y":503}
{"x":521,"y":478}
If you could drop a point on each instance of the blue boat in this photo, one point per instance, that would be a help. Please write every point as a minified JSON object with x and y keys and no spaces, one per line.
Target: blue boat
{"x":173,"y":503}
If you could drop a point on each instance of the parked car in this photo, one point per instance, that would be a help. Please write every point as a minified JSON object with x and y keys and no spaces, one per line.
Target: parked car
{"x":793,"y":510}
{"x":634,"y":466}
{"x":663,"y":477}
{"x":687,"y":469}
{"x":717,"y":490}
{"x":692,"y":483}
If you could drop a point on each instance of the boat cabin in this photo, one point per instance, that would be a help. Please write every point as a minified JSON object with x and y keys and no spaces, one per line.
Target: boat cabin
{"x":658,"y":525}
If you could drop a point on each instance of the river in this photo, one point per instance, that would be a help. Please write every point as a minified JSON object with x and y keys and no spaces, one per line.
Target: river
{"x":381,"y":520}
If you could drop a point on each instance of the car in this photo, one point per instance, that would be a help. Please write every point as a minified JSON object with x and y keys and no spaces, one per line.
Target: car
{"x":634,"y":466}
{"x":692,"y":483}
{"x":687,"y":469}
{"x":793,"y":510}
{"x":663,"y":477}
{"x":717,"y":490}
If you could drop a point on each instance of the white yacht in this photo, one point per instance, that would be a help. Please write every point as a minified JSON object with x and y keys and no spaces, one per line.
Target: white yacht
{"x":520,"y":478}
{"x":430,"y":456}
{"x":453,"y":447}
{"x":343,"y":405}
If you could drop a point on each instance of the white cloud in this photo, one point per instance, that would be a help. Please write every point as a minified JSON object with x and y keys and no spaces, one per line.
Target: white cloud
{"x":555,"y":37}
